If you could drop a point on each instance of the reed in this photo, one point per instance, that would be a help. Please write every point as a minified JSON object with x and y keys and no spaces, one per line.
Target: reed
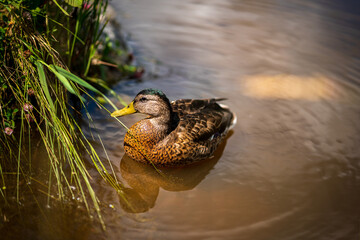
{"x":36,"y":83}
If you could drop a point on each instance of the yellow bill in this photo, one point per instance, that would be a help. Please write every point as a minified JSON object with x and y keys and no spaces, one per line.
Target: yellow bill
{"x":125,"y":111}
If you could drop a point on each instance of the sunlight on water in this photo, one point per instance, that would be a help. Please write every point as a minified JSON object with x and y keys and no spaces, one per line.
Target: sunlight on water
{"x":313,"y":88}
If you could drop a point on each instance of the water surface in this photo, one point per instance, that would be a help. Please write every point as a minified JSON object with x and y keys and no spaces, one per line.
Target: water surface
{"x":291,"y":167}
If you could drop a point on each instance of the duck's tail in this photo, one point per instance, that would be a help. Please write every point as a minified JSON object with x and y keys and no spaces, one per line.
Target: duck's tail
{"x":219,"y":99}
{"x":233,"y":115}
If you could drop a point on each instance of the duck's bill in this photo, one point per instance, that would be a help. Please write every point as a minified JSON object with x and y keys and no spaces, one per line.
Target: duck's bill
{"x":125,"y":111}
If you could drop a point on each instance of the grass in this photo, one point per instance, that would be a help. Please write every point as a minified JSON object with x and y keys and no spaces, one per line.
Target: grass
{"x":36,"y":83}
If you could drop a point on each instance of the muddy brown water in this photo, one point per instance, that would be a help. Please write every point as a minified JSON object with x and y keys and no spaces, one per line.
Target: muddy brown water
{"x":290,"y":71}
{"x":291,"y":167}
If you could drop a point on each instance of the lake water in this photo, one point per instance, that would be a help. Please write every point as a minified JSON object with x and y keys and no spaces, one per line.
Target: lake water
{"x":290,"y":169}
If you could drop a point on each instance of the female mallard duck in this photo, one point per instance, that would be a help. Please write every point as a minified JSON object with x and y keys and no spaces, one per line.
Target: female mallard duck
{"x":177,"y":133}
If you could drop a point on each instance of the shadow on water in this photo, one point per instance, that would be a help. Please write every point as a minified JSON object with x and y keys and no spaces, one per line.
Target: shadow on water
{"x":146,"y":180}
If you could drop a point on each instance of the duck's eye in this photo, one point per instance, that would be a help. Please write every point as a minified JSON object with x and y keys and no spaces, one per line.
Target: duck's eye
{"x":143,"y":99}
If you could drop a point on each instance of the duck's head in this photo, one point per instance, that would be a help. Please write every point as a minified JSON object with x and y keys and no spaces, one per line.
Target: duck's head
{"x":152,"y":102}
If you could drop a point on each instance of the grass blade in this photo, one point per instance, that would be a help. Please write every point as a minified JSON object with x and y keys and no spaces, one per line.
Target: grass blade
{"x":63,"y":80}
{"x":83,"y":83}
{"x":74,"y":3}
{"x":44,"y":85}
{"x":76,"y":79}
{"x":63,"y":10}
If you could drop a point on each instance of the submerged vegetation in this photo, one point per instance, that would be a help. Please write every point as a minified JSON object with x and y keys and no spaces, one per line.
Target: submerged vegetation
{"x":49,"y":52}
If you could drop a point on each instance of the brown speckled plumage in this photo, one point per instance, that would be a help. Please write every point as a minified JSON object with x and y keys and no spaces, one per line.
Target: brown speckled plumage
{"x":177,"y":133}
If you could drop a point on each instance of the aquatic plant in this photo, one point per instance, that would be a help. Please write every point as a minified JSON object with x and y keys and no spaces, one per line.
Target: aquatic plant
{"x":46,"y":51}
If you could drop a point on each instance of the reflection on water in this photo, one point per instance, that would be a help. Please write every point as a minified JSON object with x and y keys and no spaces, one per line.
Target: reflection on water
{"x":290,"y":87}
{"x":145,"y":180}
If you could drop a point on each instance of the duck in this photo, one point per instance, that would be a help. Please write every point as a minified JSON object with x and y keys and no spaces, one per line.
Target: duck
{"x":176,"y":133}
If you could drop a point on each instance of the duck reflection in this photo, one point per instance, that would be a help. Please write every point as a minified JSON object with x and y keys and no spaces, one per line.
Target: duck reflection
{"x":144,"y":181}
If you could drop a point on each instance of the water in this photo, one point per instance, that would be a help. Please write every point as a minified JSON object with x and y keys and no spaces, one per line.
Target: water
{"x":290,"y":169}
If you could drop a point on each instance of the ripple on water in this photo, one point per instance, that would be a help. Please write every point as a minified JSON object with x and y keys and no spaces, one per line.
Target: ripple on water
{"x":290,"y":170}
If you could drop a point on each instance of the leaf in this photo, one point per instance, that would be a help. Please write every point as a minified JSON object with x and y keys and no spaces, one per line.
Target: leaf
{"x":74,"y":3}
{"x":44,"y":85}
{"x":92,"y":52}
{"x":8,"y":115}
{"x":83,"y":83}
{"x":63,"y":10}
{"x":14,"y":112}
{"x":76,"y":79}
{"x":63,"y":80}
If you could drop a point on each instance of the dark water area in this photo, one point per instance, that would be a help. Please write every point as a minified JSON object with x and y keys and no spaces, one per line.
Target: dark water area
{"x":291,"y":167}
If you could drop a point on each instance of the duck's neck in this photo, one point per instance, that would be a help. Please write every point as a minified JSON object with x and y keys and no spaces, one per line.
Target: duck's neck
{"x":161,"y":123}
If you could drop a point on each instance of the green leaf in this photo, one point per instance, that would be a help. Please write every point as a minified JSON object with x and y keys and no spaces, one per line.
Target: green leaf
{"x":83,"y":83}
{"x":63,"y":80}
{"x":92,"y":52}
{"x":76,"y":79}
{"x":74,"y":3}
{"x":44,"y":85}
{"x":63,"y":10}
{"x":8,"y":115}
{"x":14,"y":112}
{"x":66,"y":82}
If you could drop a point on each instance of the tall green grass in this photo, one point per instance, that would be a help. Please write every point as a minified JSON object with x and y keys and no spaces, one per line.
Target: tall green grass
{"x":35,"y":85}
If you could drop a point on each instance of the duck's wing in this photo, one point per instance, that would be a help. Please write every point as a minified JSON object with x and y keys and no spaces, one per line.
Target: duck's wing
{"x":196,"y":136}
{"x":202,"y":125}
{"x":201,"y":120}
{"x":191,"y":106}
